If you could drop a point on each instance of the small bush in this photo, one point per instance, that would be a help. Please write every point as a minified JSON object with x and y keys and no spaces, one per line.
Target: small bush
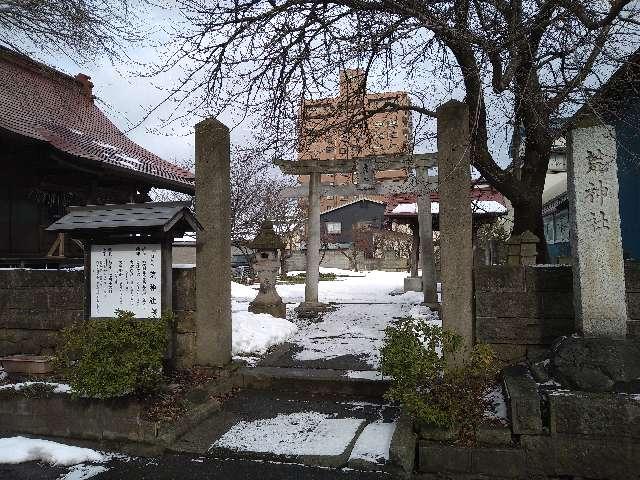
{"x":109,"y":358}
{"x":302,"y":278}
{"x":414,"y":354}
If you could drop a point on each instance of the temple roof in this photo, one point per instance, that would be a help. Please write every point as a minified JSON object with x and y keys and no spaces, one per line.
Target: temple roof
{"x":42,"y":103}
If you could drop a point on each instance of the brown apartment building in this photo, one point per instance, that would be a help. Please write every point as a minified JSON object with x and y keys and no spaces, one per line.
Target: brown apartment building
{"x":353,"y":125}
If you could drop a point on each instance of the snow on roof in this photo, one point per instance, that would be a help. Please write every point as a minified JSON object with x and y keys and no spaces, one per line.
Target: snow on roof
{"x":478,"y":206}
{"x":42,"y":103}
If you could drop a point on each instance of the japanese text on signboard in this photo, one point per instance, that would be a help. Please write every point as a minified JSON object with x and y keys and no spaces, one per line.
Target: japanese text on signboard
{"x":126,"y":277}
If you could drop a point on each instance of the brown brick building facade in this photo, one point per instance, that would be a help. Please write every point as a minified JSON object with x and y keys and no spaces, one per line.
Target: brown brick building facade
{"x":353,"y":125}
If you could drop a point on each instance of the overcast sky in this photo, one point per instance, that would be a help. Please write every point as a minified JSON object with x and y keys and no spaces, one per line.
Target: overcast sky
{"x":125,"y":96}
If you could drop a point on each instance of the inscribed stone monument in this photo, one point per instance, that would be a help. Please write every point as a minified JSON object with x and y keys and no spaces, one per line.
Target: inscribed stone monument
{"x":599,"y":285}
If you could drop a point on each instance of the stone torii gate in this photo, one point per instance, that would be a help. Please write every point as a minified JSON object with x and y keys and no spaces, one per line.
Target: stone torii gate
{"x":365,"y":169}
{"x":454,"y":180}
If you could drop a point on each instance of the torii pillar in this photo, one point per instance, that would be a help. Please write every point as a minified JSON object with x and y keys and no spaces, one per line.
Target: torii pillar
{"x":311,"y":307}
{"x":213,"y":244}
{"x":429,"y":286}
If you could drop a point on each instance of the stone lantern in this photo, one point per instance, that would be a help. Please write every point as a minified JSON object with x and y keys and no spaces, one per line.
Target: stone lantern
{"x":266,"y":265}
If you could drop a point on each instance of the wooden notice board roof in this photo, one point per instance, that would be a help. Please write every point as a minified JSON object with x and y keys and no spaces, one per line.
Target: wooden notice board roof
{"x":129,"y":217}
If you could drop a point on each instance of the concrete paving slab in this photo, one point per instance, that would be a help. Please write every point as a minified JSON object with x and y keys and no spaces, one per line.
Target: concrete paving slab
{"x":256,"y":405}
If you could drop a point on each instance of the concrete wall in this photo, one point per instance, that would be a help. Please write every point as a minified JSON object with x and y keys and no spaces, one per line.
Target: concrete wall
{"x":36,"y":304}
{"x":335,"y":259}
{"x":521,"y":310}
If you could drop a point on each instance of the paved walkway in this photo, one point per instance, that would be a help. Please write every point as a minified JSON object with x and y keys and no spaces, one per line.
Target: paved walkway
{"x":348,"y":338}
{"x":186,"y":467}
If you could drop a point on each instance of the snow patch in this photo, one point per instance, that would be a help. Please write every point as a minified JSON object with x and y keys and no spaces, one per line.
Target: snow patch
{"x":83,"y":472}
{"x":3,"y":375}
{"x":57,"y":387}
{"x":301,"y":433}
{"x":256,"y":332}
{"x":499,"y":411}
{"x":374,"y":442}
{"x":105,"y":145}
{"x":127,"y":160}
{"x":22,"y":449}
{"x":242,"y":292}
{"x":479,"y":206}
{"x":365,"y":374}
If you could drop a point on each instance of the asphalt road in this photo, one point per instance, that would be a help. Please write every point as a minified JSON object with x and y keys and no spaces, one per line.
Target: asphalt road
{"x":186,"y":467}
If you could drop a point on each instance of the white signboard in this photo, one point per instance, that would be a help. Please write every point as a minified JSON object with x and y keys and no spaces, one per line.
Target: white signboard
{"x":126,"y":277}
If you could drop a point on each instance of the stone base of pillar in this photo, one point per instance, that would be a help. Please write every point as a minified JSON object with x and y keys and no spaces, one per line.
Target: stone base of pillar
{"x":275,"y":310}
{"x":312,"y":309}
{"x":413,"y":284}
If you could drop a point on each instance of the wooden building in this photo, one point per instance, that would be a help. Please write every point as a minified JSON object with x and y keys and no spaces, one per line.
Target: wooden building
{"x":57,"y":149}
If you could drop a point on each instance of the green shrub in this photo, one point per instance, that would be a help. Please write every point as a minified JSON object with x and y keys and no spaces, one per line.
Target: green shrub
{"x":108,"y":358}
{"x":302,"y":277}
{"x":415,"y":354}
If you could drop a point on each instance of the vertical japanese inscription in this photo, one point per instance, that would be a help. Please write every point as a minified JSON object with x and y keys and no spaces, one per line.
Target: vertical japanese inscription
{"x":599,"y":284}
{"x":125,"y":277}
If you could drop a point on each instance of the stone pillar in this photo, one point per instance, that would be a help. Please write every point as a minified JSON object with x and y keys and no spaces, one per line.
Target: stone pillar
{"x":456,"y":249}
{"x":513,"y":250}
{"x":598,"y":270}
{"x":528,"y":247}
{"x":414,"y":255}
{"x":429,"y":287}
{"x":311,"y":306}
{"x":213,"y":244}
{"x":413,"y":283}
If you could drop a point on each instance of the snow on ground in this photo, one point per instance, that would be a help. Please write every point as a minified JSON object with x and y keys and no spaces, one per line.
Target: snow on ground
{"x":83,"y":472}
{"x":340,"y":272}
{"x":365,"y":374}
{"x":301,"y":433}
{"x":500,"y":407}
{"x":243,"y":293}
{"x":57,"y":387}
{"x":374,"y":442}
{"x":3,"y":374}
{"x":364,"y":287}
{"x":350,"y":330}
{"x":355,"y":328}
{"x":255,"y":333}
{"x":22,"y":449}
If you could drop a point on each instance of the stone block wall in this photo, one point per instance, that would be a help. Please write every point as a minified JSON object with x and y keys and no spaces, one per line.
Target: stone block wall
{"x":36,"y":304}
{"x":184,"y":308}
{"x":520,"y":310}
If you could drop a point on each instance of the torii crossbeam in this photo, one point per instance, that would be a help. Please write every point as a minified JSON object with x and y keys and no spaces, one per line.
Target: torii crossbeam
{"x":365,"y":169}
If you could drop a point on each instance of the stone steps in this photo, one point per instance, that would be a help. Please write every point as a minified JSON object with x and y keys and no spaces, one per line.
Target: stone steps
{"x":316,"y":381}
{"x":314,"y":430}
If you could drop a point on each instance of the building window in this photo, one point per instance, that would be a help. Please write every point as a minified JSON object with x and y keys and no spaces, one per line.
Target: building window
{"x":562,"y":226}
{"x":333,"y":228}
{"x":549,"y":233}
